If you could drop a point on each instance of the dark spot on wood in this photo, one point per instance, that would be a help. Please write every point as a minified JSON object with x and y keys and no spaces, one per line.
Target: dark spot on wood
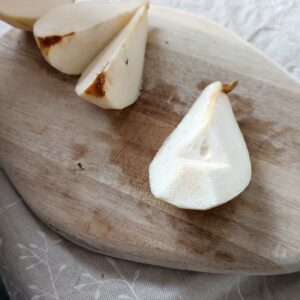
{"x":35,"y":128}
{"x":79,"y":151}
{"x":106,"y":137}
{"x":47,"y":42}
{"x":166,"y":42}
{"x":103,"y":224}
{"x":97,"y":87}
{"x":191,"y":246}
{"x":151,"y":103}
{"x":268,"y":141}
{"x":243,"y":107}
{"x":80,"y":166}
{"x":44,"y":172}
{"x":66,"y":195}
{"x":88,"y":227}
{"x":73,"y":169}
{"x":84,"y":225}
{"x":201,"y":241}
{"x":225,"y":256}
{"x":203,"y":84}
{"x":102,"y":275}
{"x":127,"y":61}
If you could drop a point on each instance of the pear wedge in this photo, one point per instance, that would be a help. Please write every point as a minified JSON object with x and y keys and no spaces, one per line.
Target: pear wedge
{"x":71,"y":35}
{"x":24,"y":13}
{"x":205,"y":161}
{"x":113,"y":80}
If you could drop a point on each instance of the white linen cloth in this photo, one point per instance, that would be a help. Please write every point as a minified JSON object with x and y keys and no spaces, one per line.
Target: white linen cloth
{"x":36,"y":263}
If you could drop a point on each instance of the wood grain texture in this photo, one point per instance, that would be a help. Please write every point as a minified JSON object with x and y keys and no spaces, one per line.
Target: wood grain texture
{"x":84,"y":171}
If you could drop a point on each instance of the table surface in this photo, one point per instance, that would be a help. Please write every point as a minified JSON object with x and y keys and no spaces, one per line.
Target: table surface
{"x":38,"y":263}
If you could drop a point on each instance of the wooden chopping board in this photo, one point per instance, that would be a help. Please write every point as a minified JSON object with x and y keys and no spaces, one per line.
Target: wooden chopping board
{"x":84,"y":171}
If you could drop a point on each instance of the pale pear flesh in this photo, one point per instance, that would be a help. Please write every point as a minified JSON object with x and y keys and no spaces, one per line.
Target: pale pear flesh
{"x":71,"y":36}
{"x":205,"y":162}
{"x":114,"y":79}
{"x":24,"y":13}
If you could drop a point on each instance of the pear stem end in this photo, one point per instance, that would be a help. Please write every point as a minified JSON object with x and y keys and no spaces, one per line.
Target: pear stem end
{"x":147,"y":4}
{"x":229,"y":87}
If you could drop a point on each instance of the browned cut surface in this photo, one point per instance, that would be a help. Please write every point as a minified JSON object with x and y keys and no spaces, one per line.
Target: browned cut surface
{"x":84,"y":170}
{"x":97,"y":89}
{"x":46,"y":43}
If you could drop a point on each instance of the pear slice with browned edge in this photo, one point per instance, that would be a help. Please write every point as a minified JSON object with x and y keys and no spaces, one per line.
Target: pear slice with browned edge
{"x":205,"y":161}
{"x":71,"y":35}
{"x":113,"y":80}
{"x":24,"y":13}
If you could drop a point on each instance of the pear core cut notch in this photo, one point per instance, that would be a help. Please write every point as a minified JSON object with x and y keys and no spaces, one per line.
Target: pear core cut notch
{"x":205,"y":162}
